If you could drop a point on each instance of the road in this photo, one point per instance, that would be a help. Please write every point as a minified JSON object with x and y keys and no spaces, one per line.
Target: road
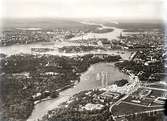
{"x":133,"y":87}
{"x":152,"y":88}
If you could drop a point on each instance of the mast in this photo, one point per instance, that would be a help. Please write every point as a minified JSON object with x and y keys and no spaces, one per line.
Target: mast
{"x":106,"y":79}
{"x":102,"y":79}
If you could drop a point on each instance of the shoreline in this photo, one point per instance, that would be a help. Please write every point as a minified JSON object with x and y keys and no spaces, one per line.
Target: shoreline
{"x":66,"y":90}
{"x":73,"y":85}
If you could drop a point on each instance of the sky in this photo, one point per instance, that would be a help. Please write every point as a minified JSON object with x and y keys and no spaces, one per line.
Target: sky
{"x":138,"y":9}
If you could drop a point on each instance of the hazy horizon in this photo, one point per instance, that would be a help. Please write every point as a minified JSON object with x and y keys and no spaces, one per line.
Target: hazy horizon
{"x":115,"y":9}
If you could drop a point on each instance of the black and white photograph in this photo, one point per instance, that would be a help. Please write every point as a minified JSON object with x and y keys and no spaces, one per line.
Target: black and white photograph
{"x":83,"y":60}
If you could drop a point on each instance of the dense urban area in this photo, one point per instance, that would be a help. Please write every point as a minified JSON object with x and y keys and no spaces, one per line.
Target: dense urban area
{"x":30,"y":78}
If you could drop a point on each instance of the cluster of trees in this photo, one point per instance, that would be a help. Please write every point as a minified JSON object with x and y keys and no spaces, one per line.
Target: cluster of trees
{"x":139,"y":67}
{"x":81,"y":48}
{"x":64,"y":114}
{"x":143,"y":71}
{"x":121,"y":82}
{"x":16,"y":102}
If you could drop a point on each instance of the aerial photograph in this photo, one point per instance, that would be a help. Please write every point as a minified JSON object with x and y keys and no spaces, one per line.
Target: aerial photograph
{"x":83,"y":60}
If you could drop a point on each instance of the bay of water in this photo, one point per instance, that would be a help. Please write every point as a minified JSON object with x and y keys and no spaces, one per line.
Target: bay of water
{"x":88,"y":80}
